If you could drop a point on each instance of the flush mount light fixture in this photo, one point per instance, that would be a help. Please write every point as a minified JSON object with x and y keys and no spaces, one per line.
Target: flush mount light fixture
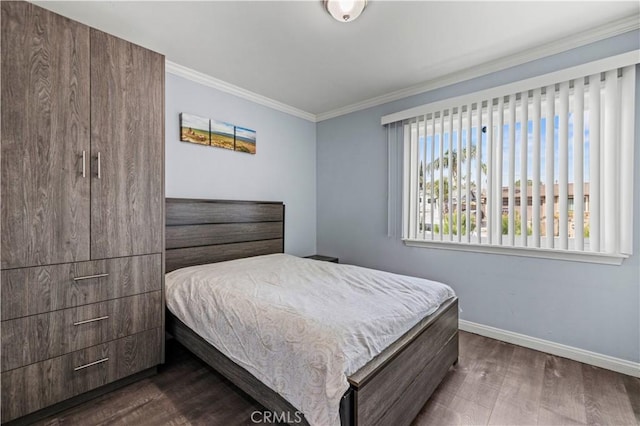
{"x":345,"y":10}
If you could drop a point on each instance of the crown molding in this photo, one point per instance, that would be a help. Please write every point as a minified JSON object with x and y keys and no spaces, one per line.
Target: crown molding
{"x":614,"y":28}
{"x":223,"y":86}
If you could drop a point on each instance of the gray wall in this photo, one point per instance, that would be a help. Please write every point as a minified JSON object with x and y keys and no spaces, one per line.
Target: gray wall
{"x":283,"y":168}
{"x":588,"y":306}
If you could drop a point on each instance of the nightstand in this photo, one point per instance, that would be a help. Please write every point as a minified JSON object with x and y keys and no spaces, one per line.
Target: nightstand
{"x":323,"y":258}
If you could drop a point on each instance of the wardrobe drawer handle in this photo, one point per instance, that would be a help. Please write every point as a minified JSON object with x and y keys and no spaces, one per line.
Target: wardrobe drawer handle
{"x":100,"y":361}
{"x":91,"y":320}
{"x":89,"y":277}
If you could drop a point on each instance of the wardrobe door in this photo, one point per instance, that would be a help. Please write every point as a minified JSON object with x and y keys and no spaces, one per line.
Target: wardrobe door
{"x":45,"y":131}
{"x":127,"y":143}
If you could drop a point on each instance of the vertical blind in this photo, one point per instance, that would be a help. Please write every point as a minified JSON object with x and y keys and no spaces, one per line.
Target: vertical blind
{"x":546,"y":166}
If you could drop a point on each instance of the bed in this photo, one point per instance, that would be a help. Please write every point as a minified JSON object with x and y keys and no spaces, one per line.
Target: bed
{"x":391,"y":388}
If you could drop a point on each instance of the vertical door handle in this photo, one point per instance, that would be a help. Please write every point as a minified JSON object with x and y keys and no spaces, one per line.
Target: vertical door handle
{"x":99,"y":167}
{"x":84,"y":163}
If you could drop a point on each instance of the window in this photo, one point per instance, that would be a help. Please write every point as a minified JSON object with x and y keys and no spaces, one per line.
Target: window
{"x":566,"y":138}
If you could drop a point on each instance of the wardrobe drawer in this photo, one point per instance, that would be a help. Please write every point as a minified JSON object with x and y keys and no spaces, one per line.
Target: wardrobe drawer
{"x":39,"y":337}
{"x":30,"y":291}
{"x":38,"y":385}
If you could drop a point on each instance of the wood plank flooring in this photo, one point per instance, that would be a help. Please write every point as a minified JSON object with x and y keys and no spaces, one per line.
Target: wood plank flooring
{"x":494,"y":383}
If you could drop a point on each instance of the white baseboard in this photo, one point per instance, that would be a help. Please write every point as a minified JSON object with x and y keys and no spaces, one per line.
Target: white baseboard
{"x":576,"y":354}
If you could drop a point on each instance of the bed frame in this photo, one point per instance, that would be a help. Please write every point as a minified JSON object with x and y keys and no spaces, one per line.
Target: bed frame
{"x":390,"y":389}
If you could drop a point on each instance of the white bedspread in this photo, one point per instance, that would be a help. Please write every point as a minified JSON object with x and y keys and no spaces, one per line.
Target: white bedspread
{"x":300,"y":326}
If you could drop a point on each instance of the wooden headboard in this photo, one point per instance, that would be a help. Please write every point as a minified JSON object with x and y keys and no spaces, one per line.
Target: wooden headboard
{"x":209,"y":231}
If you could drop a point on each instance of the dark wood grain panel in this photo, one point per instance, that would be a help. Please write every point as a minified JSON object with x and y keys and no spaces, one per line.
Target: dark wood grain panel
{"x":406,"y":408}
{"x":202,"y":231}
{"x":45,"y":129}
{"x":28,"y":389}
{"x":221,"y":233}
{"x":30,"y":291}
{"x":181,"y":258}
{"x":137,"y":352}
{"x":127,"y":122}
{"x":192,"y":212}
{"x":136,"y":313}
{"x":377,"y":395}
{"x":36,"y":338}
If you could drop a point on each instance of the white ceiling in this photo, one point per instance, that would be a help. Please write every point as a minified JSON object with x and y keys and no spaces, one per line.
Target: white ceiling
{"x":295,"y":53}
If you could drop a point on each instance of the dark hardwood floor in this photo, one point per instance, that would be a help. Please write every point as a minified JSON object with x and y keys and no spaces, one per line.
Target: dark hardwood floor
{"x":493,"y":383}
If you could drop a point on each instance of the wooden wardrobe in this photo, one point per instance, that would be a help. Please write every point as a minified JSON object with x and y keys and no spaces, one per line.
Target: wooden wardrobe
{"x":82,"y":181}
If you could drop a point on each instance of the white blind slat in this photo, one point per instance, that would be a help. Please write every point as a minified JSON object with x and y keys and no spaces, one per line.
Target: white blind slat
{"x":610,"y":154}
{"x":389,"y":174}
{"x":459,"y":176}
{"x":512,"y":169}
{"x":498,"y":174}
{"x":423,"y":204}
{"x":524,"y":184}
{"x":479,"y":174}
{"x":432,"y":171}
{"x":490,"y":207}
{"x":406,"y":165}
{"x":450,"y":177}
{"x":467,"y":201}
{"x":535,"y":164}
{"x":394,"y":197}
{"x":594,"y":162}
{"x":627,"y":108}
{"x":549,"y":161}
{"x":563,"y":165}
{"x":578,"y":163}
{"x":413,"y":204}
{"x":441,"y":177}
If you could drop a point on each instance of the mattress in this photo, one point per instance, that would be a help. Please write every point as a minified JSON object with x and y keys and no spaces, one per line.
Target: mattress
{"x":300,"y":326}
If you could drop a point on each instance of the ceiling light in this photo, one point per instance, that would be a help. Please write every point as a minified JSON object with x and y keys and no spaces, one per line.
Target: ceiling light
{"x":345,"y":10}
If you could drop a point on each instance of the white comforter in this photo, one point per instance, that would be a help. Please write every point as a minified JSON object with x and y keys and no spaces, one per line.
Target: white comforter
{"x":300,"y":326}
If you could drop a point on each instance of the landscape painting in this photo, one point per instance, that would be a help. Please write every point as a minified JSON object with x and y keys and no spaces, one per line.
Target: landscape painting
{"x":222,"y":134}
{"x":245,"y":140}
{"x":194,"y":129}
